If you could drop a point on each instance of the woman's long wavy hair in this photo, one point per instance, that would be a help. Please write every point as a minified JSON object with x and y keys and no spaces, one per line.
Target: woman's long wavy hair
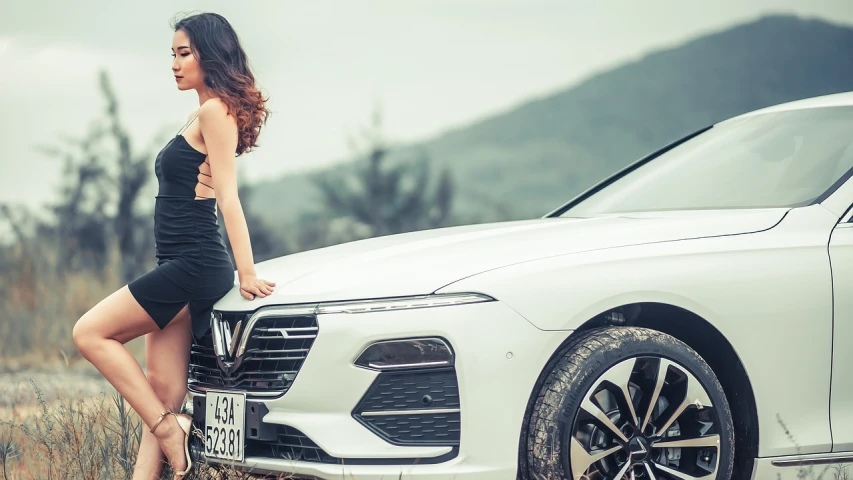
{"x":226,"y":73}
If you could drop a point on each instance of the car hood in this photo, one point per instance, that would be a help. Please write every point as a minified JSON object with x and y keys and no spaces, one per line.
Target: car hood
{"x":418,"y":263}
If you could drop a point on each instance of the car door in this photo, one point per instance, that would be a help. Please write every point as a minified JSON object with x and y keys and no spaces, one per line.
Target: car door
{"x":840,"y":203}
{"x":841,"y":401}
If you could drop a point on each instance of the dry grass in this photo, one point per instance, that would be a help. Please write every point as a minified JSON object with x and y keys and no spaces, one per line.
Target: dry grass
{"x":39,"y":305}
{"x":87,"y":439}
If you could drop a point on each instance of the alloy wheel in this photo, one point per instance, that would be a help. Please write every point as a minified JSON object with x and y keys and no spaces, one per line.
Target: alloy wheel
{"x":645,"y":418}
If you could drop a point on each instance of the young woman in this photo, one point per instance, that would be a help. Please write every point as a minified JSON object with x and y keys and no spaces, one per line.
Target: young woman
{"x":196,"y":173}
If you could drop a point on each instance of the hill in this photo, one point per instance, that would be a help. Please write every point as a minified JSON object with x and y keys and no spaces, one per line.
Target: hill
{"x":529,"y":159}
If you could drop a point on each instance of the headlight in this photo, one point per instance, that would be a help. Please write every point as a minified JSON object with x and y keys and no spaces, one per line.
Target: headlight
{"x":406,"y":353}
{"x":402,"y":303}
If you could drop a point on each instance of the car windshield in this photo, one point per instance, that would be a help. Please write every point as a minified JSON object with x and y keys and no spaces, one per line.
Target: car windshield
{"x":781,"y":159}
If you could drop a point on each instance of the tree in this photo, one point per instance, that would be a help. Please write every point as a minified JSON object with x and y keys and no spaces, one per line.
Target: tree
{"x":388,"y":198}
{"x":133,"y":174}
{"x":102,"y":181}
{"x":81,"y":244}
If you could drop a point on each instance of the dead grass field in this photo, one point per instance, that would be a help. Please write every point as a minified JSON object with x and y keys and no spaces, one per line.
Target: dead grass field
{"x":89,"y":438}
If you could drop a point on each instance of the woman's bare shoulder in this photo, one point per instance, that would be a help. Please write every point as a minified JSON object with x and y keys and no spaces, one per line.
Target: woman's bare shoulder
{"x":214,"y":112}
{"x":213,"y":107}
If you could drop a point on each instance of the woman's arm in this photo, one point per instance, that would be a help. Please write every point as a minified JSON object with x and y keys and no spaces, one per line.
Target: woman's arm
{"x":220,"y":138}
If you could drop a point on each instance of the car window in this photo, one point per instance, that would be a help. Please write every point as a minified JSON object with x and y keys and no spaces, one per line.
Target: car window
{"x":781,"y":159}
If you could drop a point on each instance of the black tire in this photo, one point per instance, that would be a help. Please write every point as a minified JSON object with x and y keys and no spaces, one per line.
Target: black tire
{"x":557,"y":423}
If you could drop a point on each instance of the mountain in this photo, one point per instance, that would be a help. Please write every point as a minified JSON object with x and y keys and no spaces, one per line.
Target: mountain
{"x":529,"y":159}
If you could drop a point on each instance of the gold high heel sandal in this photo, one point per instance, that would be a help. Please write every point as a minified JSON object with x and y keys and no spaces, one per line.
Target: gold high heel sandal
{"x":185,"y":422}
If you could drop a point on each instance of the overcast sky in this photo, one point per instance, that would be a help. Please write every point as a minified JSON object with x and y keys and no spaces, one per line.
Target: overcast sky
{"x":433,"y":65}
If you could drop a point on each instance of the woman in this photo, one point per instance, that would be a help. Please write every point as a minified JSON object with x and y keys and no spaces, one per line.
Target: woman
{"x":196,"y":173}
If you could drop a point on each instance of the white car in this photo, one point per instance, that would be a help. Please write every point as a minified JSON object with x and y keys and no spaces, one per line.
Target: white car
{"x":689,"y":317}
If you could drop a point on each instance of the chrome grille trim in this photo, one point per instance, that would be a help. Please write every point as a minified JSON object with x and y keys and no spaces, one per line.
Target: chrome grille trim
{"x":293,"y":311}
{"x":274,"y":337}
{"x":295,"y":329}
{"x":427,"y":411}
{"x":249,"y":393}
{"x":272,"y":347}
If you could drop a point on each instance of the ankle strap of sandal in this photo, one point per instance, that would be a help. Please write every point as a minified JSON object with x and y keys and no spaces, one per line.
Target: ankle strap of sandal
{"x":160,"y":419}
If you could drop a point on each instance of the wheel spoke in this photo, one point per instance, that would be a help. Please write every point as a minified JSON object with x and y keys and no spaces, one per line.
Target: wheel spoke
{"x":620,"y":375}
{"x":659,"y":381}
{"x":649,"y":471}
{"x":596,"y":412}
{"x":675,"y":473}
{"x":695,"y":395}
{"x":709,"y":441}
{"x":582,"y":460}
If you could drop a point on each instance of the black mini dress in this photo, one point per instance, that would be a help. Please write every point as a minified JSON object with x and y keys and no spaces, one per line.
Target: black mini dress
{"x":193,"y":265}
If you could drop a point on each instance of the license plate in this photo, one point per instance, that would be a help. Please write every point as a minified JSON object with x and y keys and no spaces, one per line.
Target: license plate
{"x":224,"y":425}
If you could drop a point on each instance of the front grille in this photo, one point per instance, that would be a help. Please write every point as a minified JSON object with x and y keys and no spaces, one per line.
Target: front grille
{"x":275,"y":351}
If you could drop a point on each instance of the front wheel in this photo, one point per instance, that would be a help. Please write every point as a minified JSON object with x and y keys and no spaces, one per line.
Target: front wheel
{"x":630,"y":403}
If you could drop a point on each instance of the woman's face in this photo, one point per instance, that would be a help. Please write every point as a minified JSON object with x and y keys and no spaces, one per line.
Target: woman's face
{"x":188,"y":73}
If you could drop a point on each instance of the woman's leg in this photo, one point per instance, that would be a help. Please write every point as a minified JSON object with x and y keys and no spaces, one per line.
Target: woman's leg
{"x":100,"y":335}
{"x":167,"y":356}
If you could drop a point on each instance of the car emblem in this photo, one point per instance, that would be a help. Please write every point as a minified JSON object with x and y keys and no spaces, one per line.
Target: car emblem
{"x":225,"y":343}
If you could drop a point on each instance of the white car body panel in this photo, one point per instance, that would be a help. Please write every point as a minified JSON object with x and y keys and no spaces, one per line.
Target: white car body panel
{"x":385,"y":266}
{"x":714,"y":279}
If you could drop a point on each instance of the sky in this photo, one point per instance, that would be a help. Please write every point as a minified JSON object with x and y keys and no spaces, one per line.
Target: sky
{"x":431,"y":65}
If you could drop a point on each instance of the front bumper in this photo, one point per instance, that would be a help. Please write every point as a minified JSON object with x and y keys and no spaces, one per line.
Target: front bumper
{"x":498,"y":357}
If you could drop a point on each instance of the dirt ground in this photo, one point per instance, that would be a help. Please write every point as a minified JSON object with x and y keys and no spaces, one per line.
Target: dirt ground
{"x":21,"y":385}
